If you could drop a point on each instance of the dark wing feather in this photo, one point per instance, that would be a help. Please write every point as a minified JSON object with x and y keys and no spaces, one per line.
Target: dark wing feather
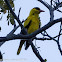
{"x":27,"y":26}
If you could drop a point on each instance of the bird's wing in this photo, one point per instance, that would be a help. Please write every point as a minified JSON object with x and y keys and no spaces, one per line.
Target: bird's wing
{"x":27,"y":22}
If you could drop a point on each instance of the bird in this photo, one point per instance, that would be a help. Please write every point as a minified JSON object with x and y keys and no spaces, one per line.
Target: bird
{"x":32,"y":23}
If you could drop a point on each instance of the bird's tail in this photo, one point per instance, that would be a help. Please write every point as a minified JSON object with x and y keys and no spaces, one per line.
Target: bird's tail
{"x":20,"y":46}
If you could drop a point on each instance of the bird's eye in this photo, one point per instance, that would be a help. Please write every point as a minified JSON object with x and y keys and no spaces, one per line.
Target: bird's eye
{"x":33,"y":13}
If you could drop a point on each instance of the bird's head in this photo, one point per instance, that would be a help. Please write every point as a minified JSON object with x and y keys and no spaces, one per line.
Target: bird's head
{"x":36,"y":10}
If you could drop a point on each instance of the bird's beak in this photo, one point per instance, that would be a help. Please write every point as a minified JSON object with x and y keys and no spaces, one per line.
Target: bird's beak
{"x":41,"y":10}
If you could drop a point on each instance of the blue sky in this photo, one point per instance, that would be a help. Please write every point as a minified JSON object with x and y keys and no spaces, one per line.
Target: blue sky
{"x":48,"y":49}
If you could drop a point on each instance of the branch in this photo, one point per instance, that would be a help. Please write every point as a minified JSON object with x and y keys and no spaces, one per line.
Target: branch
{"x":49,"y":36}
{"x":58,"y":0}
{"x":57,"y":6}
{"x":19,"y":12}
{"x":57,"y":41}
{"x":59,"y":10}
{"x":29,"y":36}
{"x":36,"y":51}
{"x":57,"y":35}
{"x":9,"y":35}
{"x":42,"y":38}
{"x":12,"y":31}
{"x":44,"y":3}
{"x":51,"y":2}
{"x":18,"y":17}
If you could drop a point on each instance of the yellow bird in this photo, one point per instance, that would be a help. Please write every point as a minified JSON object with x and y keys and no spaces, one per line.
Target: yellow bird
{"x":32,"y":23}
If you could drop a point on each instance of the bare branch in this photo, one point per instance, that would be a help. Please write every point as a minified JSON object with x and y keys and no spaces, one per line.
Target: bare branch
{"x":18,"y":16}
{"x":57,"y":36}
{"x":59,"y":10}
{"x":42,"y":38}
{"x":60,"y":31}
{"x":29,"y":36}
{"x":44,"y":3}
{"x":51,"y":14}
{"x":57,"y":6}
{"x":51,"y":2}
{"x":36,"y":52}
{"x":57,"y":41}
{"x":50,"y":37}
{"x":58,"y":0}
{"x":9,"y":35}
{"x":19,"y":12}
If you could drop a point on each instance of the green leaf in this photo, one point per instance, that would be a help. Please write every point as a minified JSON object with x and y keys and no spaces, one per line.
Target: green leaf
{"x":11,"y":19}
{"x":4,"y":9}
{"x":12,"y":22}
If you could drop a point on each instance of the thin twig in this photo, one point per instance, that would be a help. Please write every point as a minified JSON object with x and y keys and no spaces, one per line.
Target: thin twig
{"x":57,"y":41}
{"x":59,"y":10}
{"x":58,"y":1}
{"x":19,"y":12}
{"x":44,"y":3}
{"x":51,"y":2}
{"x":12,"y":31}
{"x":8,"y":35}
{"x":42,"y":38}
{"x":57,"y":35}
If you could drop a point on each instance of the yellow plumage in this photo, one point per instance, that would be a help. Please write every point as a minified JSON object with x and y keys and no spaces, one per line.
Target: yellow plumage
{"x":32,"y":23}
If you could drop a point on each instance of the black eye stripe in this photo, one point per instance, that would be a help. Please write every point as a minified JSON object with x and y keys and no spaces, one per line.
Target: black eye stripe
{"x":37,"y":8}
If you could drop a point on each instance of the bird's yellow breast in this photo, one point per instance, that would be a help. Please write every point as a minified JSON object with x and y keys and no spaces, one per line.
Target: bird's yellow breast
{"x":34,"y":25}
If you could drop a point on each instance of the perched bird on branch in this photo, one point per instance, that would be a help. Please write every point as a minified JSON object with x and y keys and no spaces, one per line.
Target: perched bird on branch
{"x":32,"y":23}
